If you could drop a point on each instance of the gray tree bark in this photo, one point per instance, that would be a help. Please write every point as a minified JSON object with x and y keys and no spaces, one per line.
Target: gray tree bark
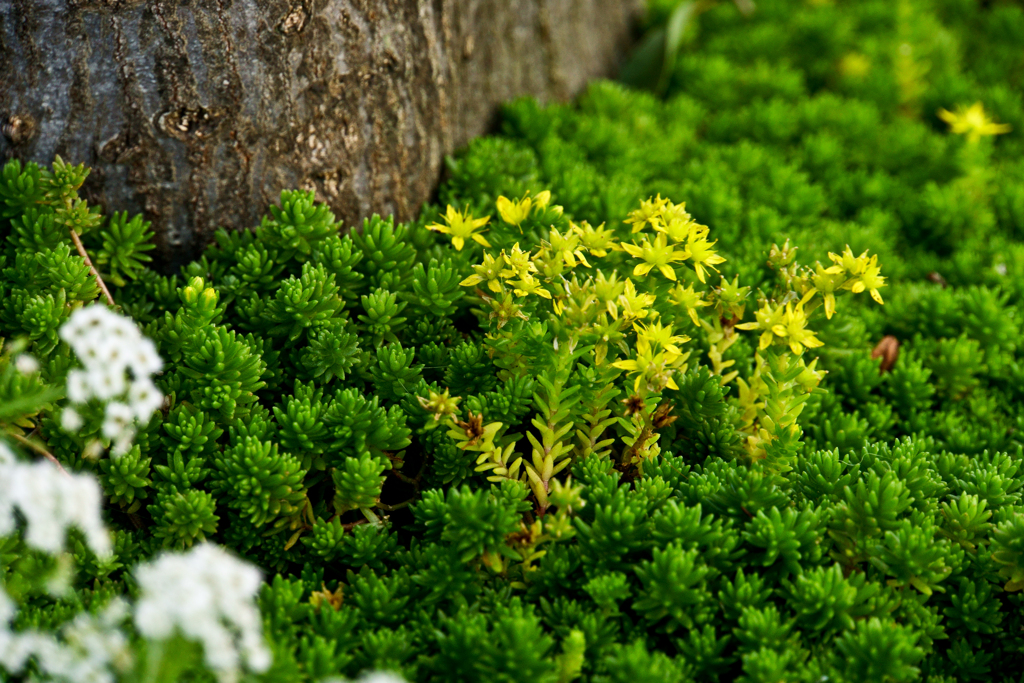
{"x":197,"y":113}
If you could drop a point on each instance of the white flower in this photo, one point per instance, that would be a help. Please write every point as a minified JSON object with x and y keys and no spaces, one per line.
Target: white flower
{"x":26,"y":364}
{"x":70,"y":420}
{"x":370,"y":677}
{"x":106,"y":382}
{"x":123,"y":329}
{"x":111,"y":354}
{"x":144,"y":399}
{"x":90,"y":647}
{"x":98,"y":643}
{"x":89,"y":348}
{"x":82,"y":321}
{"x":144,"y":359}
{"x":79,"y":390}
{"x":117,"y":419}
{"x":50,"y":501}
{"x":380,"y":677}
{"x":207,"y":595}
{"x":119,"y":363}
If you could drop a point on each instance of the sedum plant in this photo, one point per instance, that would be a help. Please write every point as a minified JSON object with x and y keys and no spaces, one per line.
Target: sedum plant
{"x":565,"y":426}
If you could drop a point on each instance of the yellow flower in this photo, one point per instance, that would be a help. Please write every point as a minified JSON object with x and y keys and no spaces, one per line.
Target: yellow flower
{"x":675,"y":212}
{"x":731,"y":298}
{"x":461,"y":226}
{"x":864,"y":274}
{"x":699,"y":250}
{"x":489,"y":271}
{"x":440,"y":405}
{"x":827,"y":283}
{"x":530,"y":285}
{"x":810,"y":378}
{"x":515,"y":212}
{"x":657,"y":255}
{"x":607,"y":288}
{"x":690,"y":299}
{"x":847,"y":263}
{"x":767,"y":317}
{"x":472,"y":435}
{"x":656,"y":368}
{"x":519,"y":263}
{"x":596,"y":240}
{"x":634,"y":306}
{"x":870,"y":280}
{"x":794,"y":327}
{"x":972,"y":122}
{"x":567,"y":247}
{"x":648,"y":212}
{"x":678,"y":224}
{"x":659,"y":334}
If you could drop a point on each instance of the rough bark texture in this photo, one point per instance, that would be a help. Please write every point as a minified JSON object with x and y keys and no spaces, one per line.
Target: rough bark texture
{"x":197,"y":113}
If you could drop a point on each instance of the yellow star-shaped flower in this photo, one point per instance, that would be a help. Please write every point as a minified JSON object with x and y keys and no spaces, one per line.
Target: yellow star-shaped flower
{"x":871,"y":280}
{"x":691,"y":300}
{"x":489,"y":271}
{"x":657,"y":254}
{"x":656,"y":333}
{"x":634,"y":305}
{"x":530,"y":285}
{"x":461,"y":226}
{"x":972,"y":122}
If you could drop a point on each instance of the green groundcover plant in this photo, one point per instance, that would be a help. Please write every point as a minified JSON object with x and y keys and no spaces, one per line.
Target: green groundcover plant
{"x":716,"y":382}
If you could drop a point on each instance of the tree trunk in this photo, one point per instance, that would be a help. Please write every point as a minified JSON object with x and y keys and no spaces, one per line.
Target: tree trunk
{"x":197,"y":113}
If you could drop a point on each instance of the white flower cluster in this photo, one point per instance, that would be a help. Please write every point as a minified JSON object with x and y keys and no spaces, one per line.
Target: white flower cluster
{"x":50,"y":501}
{"x":91,"y":648}
{"x":119,"y":364}
{"x":207,"y":595}
{"x":370,"y":677}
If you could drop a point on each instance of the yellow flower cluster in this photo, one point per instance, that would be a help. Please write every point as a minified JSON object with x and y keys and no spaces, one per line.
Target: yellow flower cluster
{"x":630,"y":304}
{"x":773,"y":396}
{"x":853,"y":273}
{"x":520,"y":269}
{"x":788,"y":321}
{"x":658,"y":358}
{"x":597,"y":304}
{"x":514,"y":267}
{"x":677,"y":239}
{"x":462,"y":225}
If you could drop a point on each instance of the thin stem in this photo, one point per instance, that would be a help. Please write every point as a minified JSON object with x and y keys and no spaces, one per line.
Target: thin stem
{"x":406,"y":479}
{"x":396,"y":506}
{"x":88,"y":261}
{"x":39,"y":449}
